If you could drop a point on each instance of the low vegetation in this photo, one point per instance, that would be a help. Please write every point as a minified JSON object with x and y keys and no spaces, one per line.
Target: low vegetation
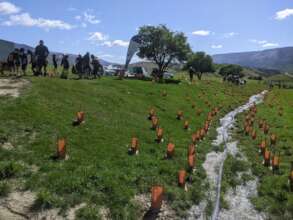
{"x":274,"y":194}
{"x":98,"y":170}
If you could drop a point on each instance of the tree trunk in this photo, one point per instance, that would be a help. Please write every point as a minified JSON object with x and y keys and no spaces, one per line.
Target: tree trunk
{"x":191,"y":76}
{"x":199,"y":75}
{"x":160,"y":73}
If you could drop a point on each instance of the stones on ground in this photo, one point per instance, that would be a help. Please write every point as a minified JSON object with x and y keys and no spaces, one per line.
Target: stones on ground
{"x":144,"y":202}
{"x":19,"y":206}
{"x":213,"y":166}
{"x":7,"y":146}
{"x":104,"y":213}
{"x":12,"y":87}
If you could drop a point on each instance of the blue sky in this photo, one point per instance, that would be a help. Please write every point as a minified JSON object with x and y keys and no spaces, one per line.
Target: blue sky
{"x":104,"y":27}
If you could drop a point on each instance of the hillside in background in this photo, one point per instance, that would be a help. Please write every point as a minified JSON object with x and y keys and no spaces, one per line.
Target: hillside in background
{"x":7,"y":46}
{"x":274,"y":59}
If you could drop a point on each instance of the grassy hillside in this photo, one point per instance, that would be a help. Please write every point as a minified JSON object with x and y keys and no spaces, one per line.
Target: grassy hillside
{"x":274,"y":196}
{"x":99,"y":172}
{"x":281,"y":77}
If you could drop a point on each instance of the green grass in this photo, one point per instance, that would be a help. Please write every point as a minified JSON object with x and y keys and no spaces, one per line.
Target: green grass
{"x":282,"y":77}
{"x":4,"y":188}
{"x":274,"y":196}
{"x":99,"y":171}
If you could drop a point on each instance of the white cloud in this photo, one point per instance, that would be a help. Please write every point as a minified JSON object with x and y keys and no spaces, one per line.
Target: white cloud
{"x":107,"y":43}
{"x":97,"y":37}
{"x":87,"y":18}
{"x":119,"y":43}
{"x":90,"y":18}
{"x":106,"y":56}
{"x":77,"y":17}
{"x":103,"y":40}
{"x":25,"y":19}
{"x":201,"y":33}
{"x":8,"y":8}
{"x":264,"y":43}
{"x":281,"y":15}
{"x":71,"y":9}
{"x":219,"y":46}
{"x":270,"y":45}
{"x":230,"y":34}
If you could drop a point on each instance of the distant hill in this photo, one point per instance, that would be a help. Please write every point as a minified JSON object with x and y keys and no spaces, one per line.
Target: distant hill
{"x":7,"y":46}
{"x":273,"y":59}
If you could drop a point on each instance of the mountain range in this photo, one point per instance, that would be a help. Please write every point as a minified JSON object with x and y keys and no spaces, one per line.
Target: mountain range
{"x":269,"y":61}
{"x":280,"y":59}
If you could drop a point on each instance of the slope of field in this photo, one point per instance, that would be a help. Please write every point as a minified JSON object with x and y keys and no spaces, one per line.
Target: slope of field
{"x":274,"y":194}
{"x":282,"y":77}
{"x":98,"y":172}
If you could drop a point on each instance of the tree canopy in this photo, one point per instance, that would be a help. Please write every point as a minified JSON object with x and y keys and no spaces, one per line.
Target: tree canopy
{"x":231,"y":69}
{"x":162,"y":46}
{"x":199,"y":63}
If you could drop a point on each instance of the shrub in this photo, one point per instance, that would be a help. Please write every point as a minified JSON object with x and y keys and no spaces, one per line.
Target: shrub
{"x":46,"y":200}
{"x":88,"y":213}
{"x":9,"y":169}
{"x":4,"y":188}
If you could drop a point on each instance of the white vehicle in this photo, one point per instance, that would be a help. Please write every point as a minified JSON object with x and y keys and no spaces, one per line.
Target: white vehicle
{"x":111,"y":70}
{"x":136,"y":71}
{"x":168,"y":75}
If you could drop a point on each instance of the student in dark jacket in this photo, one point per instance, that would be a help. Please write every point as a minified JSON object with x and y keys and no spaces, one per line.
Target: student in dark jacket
{"x":16,"y":58}
{"x":10,"y":63}
{"x":55,"y":64}
{"x":65,"y":65}
{"x":86,"y":67}
{"x":33,"y":62}
{"x":96,"y":67}
{"x":23,"y":60}
{"x":78,"y":66}
{"x":41,"y":53}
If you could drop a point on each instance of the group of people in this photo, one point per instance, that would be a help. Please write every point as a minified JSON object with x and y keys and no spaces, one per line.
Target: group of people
{"x":17,"y":61}
{"x":87,"y":66}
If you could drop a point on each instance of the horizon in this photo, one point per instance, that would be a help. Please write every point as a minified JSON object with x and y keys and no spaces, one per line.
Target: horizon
{"x":140,"y":60}
{"x":104,"y":28}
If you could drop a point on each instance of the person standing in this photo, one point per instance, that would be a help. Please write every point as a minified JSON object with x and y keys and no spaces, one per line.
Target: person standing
{"x":78,"y":66}
{"x":41,"y":53}
{"x":96,"y":67}
{"x":16,"y":58}
{"x":33,"y":62}
{"x":23,"y":60}
{"x":10,"y":63}
{"x":65,"y":65}
{"x":86,"y":65}
{"x":55,"y":64}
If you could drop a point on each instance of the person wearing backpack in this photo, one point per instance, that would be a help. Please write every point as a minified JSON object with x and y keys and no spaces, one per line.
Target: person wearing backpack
{"x":10,"y":63}
{"x":23,"y":60}
{"x":41,"y":53}
{"x":65,"y":65}
{"x":55,"y":64}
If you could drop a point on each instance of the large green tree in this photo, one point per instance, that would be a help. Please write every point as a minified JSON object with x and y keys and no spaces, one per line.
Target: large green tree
{"x":199,"y":63}
{"x":162,"y":46}
{"x":231,"y":69}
